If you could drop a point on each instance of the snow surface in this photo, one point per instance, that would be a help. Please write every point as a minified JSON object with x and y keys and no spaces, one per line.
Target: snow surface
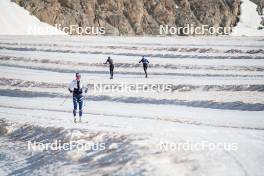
{"x":249,"y":21}
{"x":15,"y":20}
{"x":218,"y":97}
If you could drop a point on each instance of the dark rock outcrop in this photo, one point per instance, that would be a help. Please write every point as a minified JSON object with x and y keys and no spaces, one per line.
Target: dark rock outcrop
{"x":260,"y":6}
{"x":134,"y":17}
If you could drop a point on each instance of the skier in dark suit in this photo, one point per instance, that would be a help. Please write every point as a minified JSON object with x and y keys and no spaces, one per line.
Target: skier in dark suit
{"x":145,"y":63}
{"x":76,"y":88}
{"x":111,"y":66}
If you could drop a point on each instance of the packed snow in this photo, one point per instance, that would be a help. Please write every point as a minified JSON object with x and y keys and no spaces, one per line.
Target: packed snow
{"x":15,"y":20}
{"x":216,"y":97}
{"x":249,"y":21}
{"x":215,"y":100}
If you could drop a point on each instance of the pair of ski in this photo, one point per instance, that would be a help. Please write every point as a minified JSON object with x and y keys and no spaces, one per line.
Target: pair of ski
{"x":75,"y":120}
{"x":79,"y":121}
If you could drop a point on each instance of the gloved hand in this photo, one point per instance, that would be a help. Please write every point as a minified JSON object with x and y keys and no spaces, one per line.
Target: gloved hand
{"x":86,"y":90}
{"x":70,"y":90}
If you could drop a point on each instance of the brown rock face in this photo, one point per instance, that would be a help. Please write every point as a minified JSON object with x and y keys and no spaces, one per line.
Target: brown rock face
{"x":260,"y":6}
{"x":258,"y":2}
{"x":134,"y":17}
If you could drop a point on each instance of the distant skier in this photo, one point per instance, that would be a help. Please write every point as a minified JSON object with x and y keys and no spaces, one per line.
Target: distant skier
{"x":145,"y":63}
{"x":262,"y":21}
{"x":111,"y":66}
{"x":77,"y":89}
{"x":260,"y":9}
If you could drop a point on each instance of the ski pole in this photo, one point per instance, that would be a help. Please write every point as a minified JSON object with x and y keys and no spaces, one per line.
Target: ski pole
{"x":84,"y":97}
{"x":84,"y":100}
{"x":64,"y":101}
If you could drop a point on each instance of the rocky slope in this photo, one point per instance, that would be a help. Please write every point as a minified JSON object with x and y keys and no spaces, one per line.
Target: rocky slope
{"x":258,"y":2}
{"x":260,"y":7}
{"x":134,"y":17}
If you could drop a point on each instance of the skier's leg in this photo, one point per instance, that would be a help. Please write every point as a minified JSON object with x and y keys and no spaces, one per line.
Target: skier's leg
{"x":80,"y":107}
{"x":74,"y":106}
{"x":145,"y":67}
{"x":146,"y":71}
{"x":111,"y":72}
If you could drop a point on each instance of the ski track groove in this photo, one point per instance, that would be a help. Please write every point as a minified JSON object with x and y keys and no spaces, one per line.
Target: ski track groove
{"x":195,"y":123}
{"x":238,"y":162}
{"x":18,"y":83}
{"x":61,"y":70}
{"x":133,"y":54}
{"x":130,"y":65}
{"x":233,"y":49}
{"x":160,"y":49}
{"x":141,"y":100}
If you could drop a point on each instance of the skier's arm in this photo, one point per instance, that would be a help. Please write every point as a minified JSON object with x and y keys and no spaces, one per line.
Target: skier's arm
{"x":140,"y":61}
{"x":106,"y":61}
{"x":85,"y":88}
{"x":70,"y":87}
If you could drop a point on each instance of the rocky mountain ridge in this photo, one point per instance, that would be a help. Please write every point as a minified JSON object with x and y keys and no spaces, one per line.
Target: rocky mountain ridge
{"x":134,"y":17}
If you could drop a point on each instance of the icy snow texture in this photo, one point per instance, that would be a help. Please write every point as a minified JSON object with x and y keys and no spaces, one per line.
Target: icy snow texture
{"x":15,"y":20}
{"x":218,"y":97}
{"x":249,"y":21}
